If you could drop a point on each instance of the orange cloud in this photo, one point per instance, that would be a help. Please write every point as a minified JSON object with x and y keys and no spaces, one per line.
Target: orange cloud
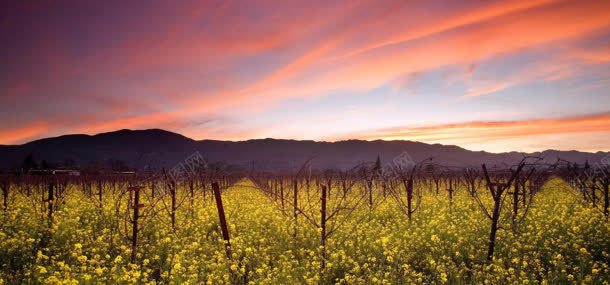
{"x":537,"y":72}
{"x":486,"y":133}
{"x":431,"y":42}
{"x":592,"y":55}
{"x":489,"y":88}
{"x":494,"y":32}
{"x":234,"y":36}
{"x":485,"y":12}
{"x":503,"y":35}
{"x":461,"y":40}
{"x":21,"y":134}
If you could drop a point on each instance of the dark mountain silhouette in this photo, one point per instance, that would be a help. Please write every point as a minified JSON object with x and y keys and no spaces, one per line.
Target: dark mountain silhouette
{"x":158,"y":148}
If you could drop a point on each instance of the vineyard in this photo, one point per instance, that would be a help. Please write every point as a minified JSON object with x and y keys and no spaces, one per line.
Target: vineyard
{"x":418,"y":223}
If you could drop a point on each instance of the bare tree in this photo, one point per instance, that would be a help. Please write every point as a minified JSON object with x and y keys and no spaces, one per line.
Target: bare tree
{"x":497,"y":188}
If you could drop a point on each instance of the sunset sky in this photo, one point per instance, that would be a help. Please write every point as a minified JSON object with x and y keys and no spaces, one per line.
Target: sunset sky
{"x":484,"y":75}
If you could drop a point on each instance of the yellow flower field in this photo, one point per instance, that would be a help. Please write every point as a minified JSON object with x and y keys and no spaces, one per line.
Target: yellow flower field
{"x":562,"y":240}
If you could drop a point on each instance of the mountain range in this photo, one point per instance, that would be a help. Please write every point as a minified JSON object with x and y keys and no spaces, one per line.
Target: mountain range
{"x":156,"y":148}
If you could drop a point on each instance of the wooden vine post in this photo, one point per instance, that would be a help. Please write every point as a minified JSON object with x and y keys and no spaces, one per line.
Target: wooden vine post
{"x":50,"y":198}
{"x":515,"y":194}
{"x":172,"y":192}
{"x":135,"y":220}
{"x":295,"y":208}
{"x":5,"y":189}
{"x":282,"y":193}
{"x":100,"y":188}
{"x":223,"y":221}
{"x":323,"y":226}
{"x":450,"y":190}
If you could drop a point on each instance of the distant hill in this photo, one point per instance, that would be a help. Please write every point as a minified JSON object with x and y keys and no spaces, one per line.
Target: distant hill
{"x":159,"y":148}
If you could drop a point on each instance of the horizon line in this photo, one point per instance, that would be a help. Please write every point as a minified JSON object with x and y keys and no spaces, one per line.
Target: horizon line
{"x":300,"y":140}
